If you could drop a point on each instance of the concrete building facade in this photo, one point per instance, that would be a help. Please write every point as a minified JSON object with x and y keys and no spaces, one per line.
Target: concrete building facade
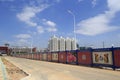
{"x":61,"y":44}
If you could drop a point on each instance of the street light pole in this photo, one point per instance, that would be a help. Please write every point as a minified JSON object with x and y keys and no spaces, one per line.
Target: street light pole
{"x":74,"y":26}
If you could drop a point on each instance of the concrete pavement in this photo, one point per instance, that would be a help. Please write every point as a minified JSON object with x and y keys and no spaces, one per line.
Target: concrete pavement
{"x":40,"y":70}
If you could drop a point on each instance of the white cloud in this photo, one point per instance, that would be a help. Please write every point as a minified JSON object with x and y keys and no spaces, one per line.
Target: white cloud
{"x":58,"y":1}
{"x":50,"y":25}
{"x":22,"y":41}
{"x":100,"y":23}
{"x":114,"y":5}
{"x":94,"y":2}
{"x":23,"y":36}
{"x":30,"y":12}
{"x":51,"y":29}
{"x":80,"y":0}
{"x":40,"y":29}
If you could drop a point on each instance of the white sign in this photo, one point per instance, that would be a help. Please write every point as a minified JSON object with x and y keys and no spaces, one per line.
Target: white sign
{"x":102,"y":57}
{"x":44,"y":56}
{"x":54,"y":56}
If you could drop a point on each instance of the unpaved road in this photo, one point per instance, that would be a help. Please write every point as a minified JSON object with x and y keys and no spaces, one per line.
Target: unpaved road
{"x":40,"y":70}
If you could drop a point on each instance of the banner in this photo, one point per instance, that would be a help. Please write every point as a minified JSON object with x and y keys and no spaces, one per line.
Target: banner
{"x":102,"y":57}
{"x":55,"y":56}
{"x":44,"y":56}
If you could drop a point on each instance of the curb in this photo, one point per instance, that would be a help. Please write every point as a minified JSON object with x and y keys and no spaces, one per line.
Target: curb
{"x":4,"y":72}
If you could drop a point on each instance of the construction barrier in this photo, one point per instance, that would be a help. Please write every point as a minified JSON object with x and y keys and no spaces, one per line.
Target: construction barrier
{"x":117,"y":57}
{"x":101,"y":57}
{"x":84,"y":57}
{"x":63,"y":57}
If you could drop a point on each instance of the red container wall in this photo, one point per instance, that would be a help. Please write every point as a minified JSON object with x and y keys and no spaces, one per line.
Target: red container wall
{"x":22,"y":55}
{"x":37,"y":56}
{"x":62,"y":57}
{"x":27,"y":56}
{"x":117,"y":58}
{"x":40,"y":56}
{"x":30,"y":56}
{"x":84,"y":58}
{"x":34,"y":56}
{"x":71,"y":58}
{"x":49,"y":56}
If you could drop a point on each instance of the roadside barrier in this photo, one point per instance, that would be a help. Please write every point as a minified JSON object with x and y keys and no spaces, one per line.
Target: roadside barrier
{"x":100,"y":57}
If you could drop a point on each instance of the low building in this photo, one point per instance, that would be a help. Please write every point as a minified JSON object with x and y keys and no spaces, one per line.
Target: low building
{"x":4,"y":50}
{"x":19,"y":50}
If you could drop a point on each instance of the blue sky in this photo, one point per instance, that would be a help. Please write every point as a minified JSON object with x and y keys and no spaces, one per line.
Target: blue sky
{"x":23,"y":22}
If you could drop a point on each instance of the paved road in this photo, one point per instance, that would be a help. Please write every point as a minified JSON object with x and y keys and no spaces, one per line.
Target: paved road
{"x":40,"y":70}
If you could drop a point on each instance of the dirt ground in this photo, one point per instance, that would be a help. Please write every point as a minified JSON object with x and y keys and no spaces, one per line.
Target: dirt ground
{"x":14,"y":73}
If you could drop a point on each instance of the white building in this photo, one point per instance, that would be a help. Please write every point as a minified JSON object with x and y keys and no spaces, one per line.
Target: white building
{"x":54,"y":44}
{"x":73,"y":44}
{"x":21,"y":50}
{"x":61,"y":44}
{"x":68,"y":44}
{"x":49,"y":45}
